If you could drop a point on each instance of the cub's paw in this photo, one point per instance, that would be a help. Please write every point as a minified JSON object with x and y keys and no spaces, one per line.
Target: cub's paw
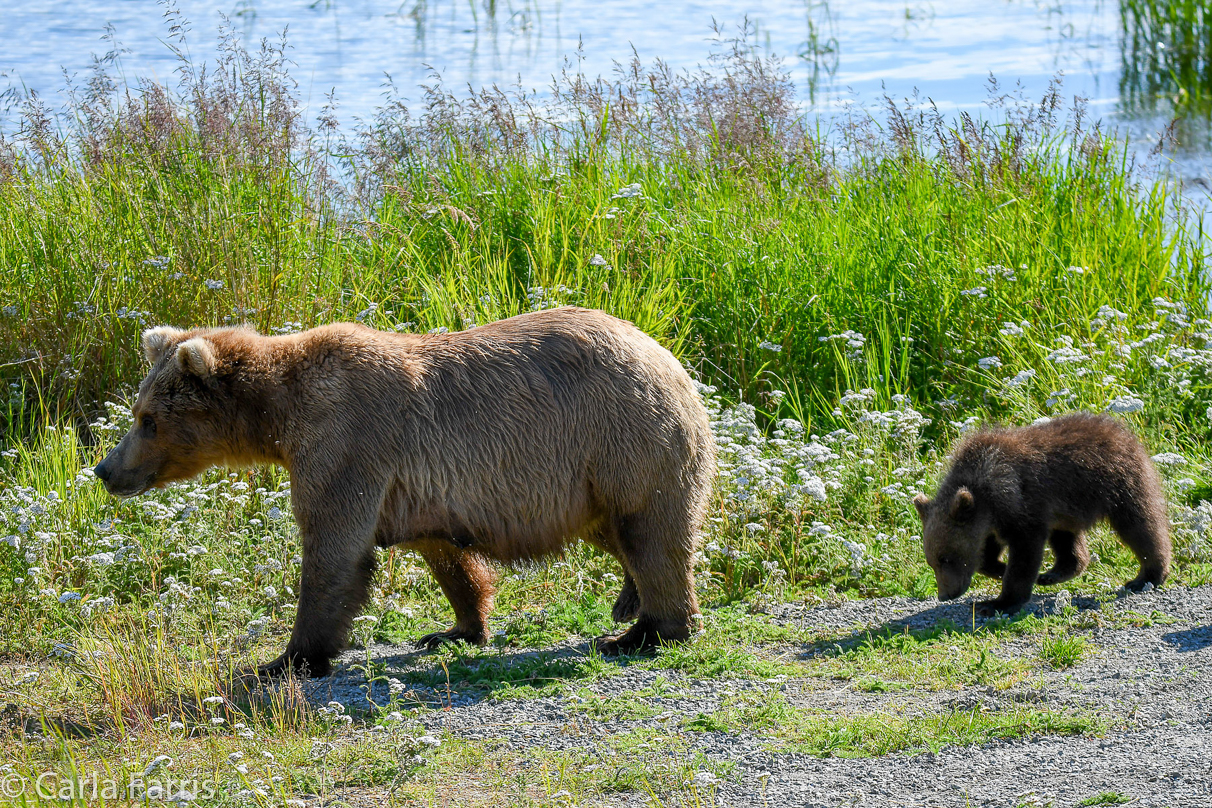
{"x":438,"y":638}
{"x":1140,"y":584}
{"x":1049,"y":579}
{"x":991,"y":608}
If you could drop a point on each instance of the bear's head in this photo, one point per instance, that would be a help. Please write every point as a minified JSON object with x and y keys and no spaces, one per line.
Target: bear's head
{"x":180,"y":416}
{"x":954,"y":529}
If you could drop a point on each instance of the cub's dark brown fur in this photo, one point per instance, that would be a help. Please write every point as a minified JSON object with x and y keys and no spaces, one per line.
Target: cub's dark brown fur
{"x":1017,"y":489}
{"x":497,"y":444}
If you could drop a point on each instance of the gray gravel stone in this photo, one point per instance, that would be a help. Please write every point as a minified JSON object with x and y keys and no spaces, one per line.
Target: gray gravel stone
{"x":1154,"y":682}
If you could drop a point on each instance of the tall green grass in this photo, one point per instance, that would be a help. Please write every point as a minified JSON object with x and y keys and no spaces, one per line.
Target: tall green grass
{"x":215,"y":204}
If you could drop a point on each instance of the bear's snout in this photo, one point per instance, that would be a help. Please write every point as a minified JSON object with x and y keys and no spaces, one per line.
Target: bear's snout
{"x":102,"y":472}
{"x":950,"y":588}
{"x":119,"y":479}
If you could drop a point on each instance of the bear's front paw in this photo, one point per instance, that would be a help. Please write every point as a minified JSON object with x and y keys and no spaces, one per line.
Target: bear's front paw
{"x":990,"y":608}
{"x":432,"y":641}
{"x":301,"y":666}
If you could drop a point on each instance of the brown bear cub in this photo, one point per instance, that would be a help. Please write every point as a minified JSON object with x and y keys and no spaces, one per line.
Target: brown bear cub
{"x":1019,"y":489}
{"x":499,"y":443}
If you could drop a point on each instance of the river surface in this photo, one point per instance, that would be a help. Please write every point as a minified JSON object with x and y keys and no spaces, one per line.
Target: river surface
{"x":1122,"y":56}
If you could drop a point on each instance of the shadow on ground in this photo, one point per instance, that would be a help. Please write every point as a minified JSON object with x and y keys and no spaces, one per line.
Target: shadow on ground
{"x":1191,"y":639}
{"x":935,"y":618}
{"x":456,"y":676}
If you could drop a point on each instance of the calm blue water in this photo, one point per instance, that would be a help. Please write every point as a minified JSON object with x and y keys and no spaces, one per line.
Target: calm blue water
{"x":838,"y":53}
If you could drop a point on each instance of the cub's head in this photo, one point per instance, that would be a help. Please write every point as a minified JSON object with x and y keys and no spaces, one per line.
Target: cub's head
{"x":954,"y":529}
{"x":181,"y":416}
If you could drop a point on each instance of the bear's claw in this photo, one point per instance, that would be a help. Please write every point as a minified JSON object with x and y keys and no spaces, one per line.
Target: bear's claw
{"x":437,"y":638}
{"x":1139,"y":583}
{"x":989,"y":608}
{"x":645,"y":637}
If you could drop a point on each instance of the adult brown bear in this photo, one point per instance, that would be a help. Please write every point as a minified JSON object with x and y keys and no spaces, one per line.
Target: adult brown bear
{"x":500,"y":443}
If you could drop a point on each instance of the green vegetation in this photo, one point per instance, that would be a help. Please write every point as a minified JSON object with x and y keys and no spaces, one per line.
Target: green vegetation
{"x":1065,"y":650}
{"x":1107,"y":798}
{"x":852,"y":300}
{"x":942,"y":658}
{"x":870,"y":734}
{"x":1166,"y":57}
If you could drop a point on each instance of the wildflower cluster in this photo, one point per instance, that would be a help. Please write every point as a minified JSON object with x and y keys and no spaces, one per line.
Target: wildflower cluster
{"x":796,"y":505}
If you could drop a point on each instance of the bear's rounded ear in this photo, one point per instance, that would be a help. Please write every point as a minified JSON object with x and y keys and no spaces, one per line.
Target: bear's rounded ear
{"x":197,"y":357}
{"x":962,"y":503}
{"x":922,"y":503}
{"x":157,"y":340}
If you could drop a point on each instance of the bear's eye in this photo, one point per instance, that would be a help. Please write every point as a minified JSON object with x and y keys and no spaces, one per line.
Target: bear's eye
{"x":946,"y":561}
{"x":149,"y":425}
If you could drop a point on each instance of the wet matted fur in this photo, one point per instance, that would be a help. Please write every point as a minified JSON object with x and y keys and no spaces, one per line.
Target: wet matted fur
{"x":1019,"y":489}
{"x":497,"y":444}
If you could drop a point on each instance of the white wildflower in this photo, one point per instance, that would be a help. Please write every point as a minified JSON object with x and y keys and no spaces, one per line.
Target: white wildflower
{"x":629,"y":191}
{"x":989,"y":362}
{"x":1125,"y":404}
{"x":1020,"y":378}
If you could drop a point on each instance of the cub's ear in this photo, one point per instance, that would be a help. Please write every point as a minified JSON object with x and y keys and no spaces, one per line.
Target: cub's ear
{"x":922,"y":503}
{"x":196,"y":356}
{"x":962,"y":504}
{"x":156,"y":341}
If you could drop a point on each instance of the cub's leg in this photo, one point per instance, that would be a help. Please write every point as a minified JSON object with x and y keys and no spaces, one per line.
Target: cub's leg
{"x":657,"y":546}
{"x":467,"y":581}
{"x":1072,"y":557}
{"x":1025,"y":547}
{"x":991,"y":561}
{"x":1146,"y":532}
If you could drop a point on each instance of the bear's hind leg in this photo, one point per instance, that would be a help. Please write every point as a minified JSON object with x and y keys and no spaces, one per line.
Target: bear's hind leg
{"x":657,"y":545}
{"x":1072,"y":557}
{"x":1146,"y":532}
{"x":627,"y":607}
{"x":467,"y":581}
{"x":604,"y":535}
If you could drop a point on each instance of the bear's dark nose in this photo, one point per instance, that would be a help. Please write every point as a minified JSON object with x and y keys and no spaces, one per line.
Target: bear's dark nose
{"x":102,"y":471}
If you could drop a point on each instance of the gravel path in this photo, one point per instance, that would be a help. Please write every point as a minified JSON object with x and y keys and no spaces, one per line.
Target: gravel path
{"x":1154,"y":683}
